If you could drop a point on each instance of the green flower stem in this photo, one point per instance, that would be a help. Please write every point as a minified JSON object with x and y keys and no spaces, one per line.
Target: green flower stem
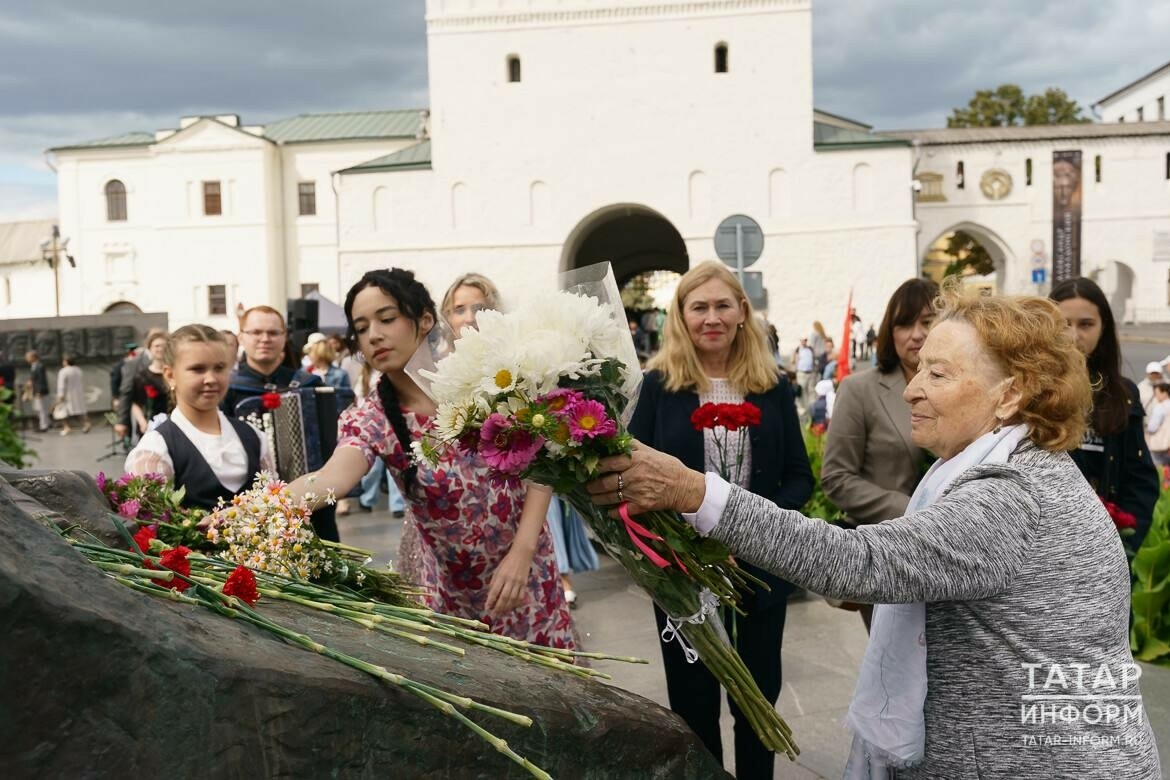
{"x":166,"y":575}
{"x":497,"y":743}
{"x":166,"y":593}
{"x":348,"y":548}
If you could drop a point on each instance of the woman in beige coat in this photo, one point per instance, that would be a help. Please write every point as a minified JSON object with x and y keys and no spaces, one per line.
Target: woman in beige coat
{"x":871,"y":466}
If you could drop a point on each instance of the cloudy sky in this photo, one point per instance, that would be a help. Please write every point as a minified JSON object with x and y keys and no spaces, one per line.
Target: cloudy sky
{"x":72,"y":70}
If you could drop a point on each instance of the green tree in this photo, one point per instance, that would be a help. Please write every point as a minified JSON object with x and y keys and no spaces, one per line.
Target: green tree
{"x":1001,"y":107}
{"x":966,"y":252}
{"x":1054,"y":107}
{"x":636,"y":293}
{"x":1007,"y":106}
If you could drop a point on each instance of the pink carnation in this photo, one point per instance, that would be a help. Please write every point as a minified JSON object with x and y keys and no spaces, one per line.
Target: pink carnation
{"x":101,"y":481}
{"x":129,"y":509}
{"x":588,"y":420}
{"x":505,"y":447}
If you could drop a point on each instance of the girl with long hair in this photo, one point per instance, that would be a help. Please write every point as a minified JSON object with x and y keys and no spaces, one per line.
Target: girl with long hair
{"x":494,"y":558}
{"x":1113,"y":456}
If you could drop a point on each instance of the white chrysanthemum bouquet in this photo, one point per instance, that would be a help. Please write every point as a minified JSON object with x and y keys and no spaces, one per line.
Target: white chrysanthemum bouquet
{"x":539,"y":393}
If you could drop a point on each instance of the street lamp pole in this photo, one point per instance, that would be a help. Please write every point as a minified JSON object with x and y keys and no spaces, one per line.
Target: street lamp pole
{"x":51,"y":251}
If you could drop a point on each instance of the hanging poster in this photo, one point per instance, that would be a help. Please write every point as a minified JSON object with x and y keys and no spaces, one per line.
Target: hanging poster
{"x":1066,"y":215}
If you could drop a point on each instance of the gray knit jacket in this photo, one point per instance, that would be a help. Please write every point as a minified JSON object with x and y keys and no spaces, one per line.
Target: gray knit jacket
{"x":1027,"y":595}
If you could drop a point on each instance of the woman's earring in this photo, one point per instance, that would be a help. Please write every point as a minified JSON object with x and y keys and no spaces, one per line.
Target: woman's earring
{"x":741,"y":326}
{"x":998,"y":425}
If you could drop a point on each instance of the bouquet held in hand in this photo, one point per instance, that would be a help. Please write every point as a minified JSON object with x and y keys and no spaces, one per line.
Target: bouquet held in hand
{"x":539,"y":393}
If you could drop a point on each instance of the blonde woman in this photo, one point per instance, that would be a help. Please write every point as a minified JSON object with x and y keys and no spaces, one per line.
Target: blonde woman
{"x":714,"y":350}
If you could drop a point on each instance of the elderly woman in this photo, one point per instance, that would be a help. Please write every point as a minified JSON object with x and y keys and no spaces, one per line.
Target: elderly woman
{"x":716,"y":351}
{"x":871,"y":465}
{"x":1000,"y":644}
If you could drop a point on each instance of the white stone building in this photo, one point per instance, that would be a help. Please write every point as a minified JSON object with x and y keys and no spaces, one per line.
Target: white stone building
{"x":201,"y":219}
{"x":1143,"y":100}
{"x":26,"y":275}
{"x":561,"y":133}
{"x":996,"y":184}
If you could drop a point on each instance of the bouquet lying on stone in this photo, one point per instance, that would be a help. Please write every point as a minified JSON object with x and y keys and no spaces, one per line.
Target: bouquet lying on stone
{"x":151,"y":499}
{"x":262,"y":528}
{"x":539,"y":393}
{"x":260,"y":547}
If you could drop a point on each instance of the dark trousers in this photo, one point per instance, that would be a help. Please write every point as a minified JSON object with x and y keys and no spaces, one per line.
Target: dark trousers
{"x":695,"y":693}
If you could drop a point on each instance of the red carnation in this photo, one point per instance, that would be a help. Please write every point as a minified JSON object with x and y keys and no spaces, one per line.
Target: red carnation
{"x":151,"y":392}
{"x":175,"y":559}
{"x":704,"y":417}
{"x":270,"y":401}
{"x":143,"y":537}
{"x":749,"y":414}
{"x":242,"y":584}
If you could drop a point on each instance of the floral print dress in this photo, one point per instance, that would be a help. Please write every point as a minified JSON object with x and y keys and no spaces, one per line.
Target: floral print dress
{"x":468,"y":519}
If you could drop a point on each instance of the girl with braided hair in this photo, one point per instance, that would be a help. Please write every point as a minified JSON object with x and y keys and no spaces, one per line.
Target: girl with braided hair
{"x":493,"y":557}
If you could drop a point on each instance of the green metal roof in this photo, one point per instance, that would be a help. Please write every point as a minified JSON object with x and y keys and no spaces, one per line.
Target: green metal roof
{"x":827,"y":137}
{"x":348,"y":126}
{"x":125,"y":139}
{"x":412,"y":158}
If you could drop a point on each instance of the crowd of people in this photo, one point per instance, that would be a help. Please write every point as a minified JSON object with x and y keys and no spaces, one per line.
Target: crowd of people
{"x":979,"y":462}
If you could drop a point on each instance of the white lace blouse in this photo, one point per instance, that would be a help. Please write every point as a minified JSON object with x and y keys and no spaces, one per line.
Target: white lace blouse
{"x":224,"y":453}
{"x":738,"y":471}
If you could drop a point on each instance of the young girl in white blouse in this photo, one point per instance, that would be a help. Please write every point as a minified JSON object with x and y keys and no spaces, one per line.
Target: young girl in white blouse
{"x":211,"y":455}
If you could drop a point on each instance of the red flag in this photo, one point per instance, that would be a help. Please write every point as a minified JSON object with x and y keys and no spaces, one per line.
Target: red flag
{"x":845,"y":352}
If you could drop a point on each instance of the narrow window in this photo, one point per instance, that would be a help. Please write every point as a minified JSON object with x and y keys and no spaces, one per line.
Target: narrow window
{"x":212,"y":205}
{"x":1141,"y":114}
{"x":1161,"y":108}
{"x":721,"y":58}
{"x":514,"y":68}
{"x":1167,"y":166}
{"x":217,"y":299}
{"x":1097,"y":169}
{"x":307,"y":195}
{"x":961,"y":182}
{"x":1028,"y":172}
{"x":309,"y":287}
{"x":115,"y":201}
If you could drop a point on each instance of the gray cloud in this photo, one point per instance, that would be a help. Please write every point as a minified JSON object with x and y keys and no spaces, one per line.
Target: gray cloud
{"x":907,"y":63}
{"x":73,"y":70}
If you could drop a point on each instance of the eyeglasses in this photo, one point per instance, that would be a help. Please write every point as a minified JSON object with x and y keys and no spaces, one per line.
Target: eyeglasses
{"x":259,"y":334}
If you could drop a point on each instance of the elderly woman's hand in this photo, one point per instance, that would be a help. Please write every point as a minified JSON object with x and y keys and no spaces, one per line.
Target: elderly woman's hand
{"x":646,"y":480}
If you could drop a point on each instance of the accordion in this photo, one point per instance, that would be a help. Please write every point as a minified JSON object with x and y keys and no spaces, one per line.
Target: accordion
{"x":304,"y":426}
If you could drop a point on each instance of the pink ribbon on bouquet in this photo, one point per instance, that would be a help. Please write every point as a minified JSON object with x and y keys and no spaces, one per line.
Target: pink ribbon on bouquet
{"x":636,"y":530}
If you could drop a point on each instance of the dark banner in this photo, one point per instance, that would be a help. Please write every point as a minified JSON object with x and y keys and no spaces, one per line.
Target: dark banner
{"x":1066,"y":215}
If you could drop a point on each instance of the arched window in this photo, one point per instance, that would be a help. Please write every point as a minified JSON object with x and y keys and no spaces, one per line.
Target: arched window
{"x":514,"y":68}
{"x":115,"y":201}
{"x":721,"y":58}
{"x":960,"y":179}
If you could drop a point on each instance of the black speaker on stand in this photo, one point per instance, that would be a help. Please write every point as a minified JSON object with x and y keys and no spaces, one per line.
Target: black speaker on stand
{"x":302,"y":321}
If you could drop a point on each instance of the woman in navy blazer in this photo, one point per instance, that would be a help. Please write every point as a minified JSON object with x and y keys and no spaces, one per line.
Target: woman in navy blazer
{"x":715,"y":350}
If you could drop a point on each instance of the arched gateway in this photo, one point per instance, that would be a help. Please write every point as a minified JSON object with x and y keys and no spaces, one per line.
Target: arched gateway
{"x":633,"y":238}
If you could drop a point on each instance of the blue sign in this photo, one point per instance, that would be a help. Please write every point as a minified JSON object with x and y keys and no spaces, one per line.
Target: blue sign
{"x":1038,"y":275}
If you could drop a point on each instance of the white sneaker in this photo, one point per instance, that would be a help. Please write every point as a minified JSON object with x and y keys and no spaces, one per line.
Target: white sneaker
{"x":571,"y":598}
